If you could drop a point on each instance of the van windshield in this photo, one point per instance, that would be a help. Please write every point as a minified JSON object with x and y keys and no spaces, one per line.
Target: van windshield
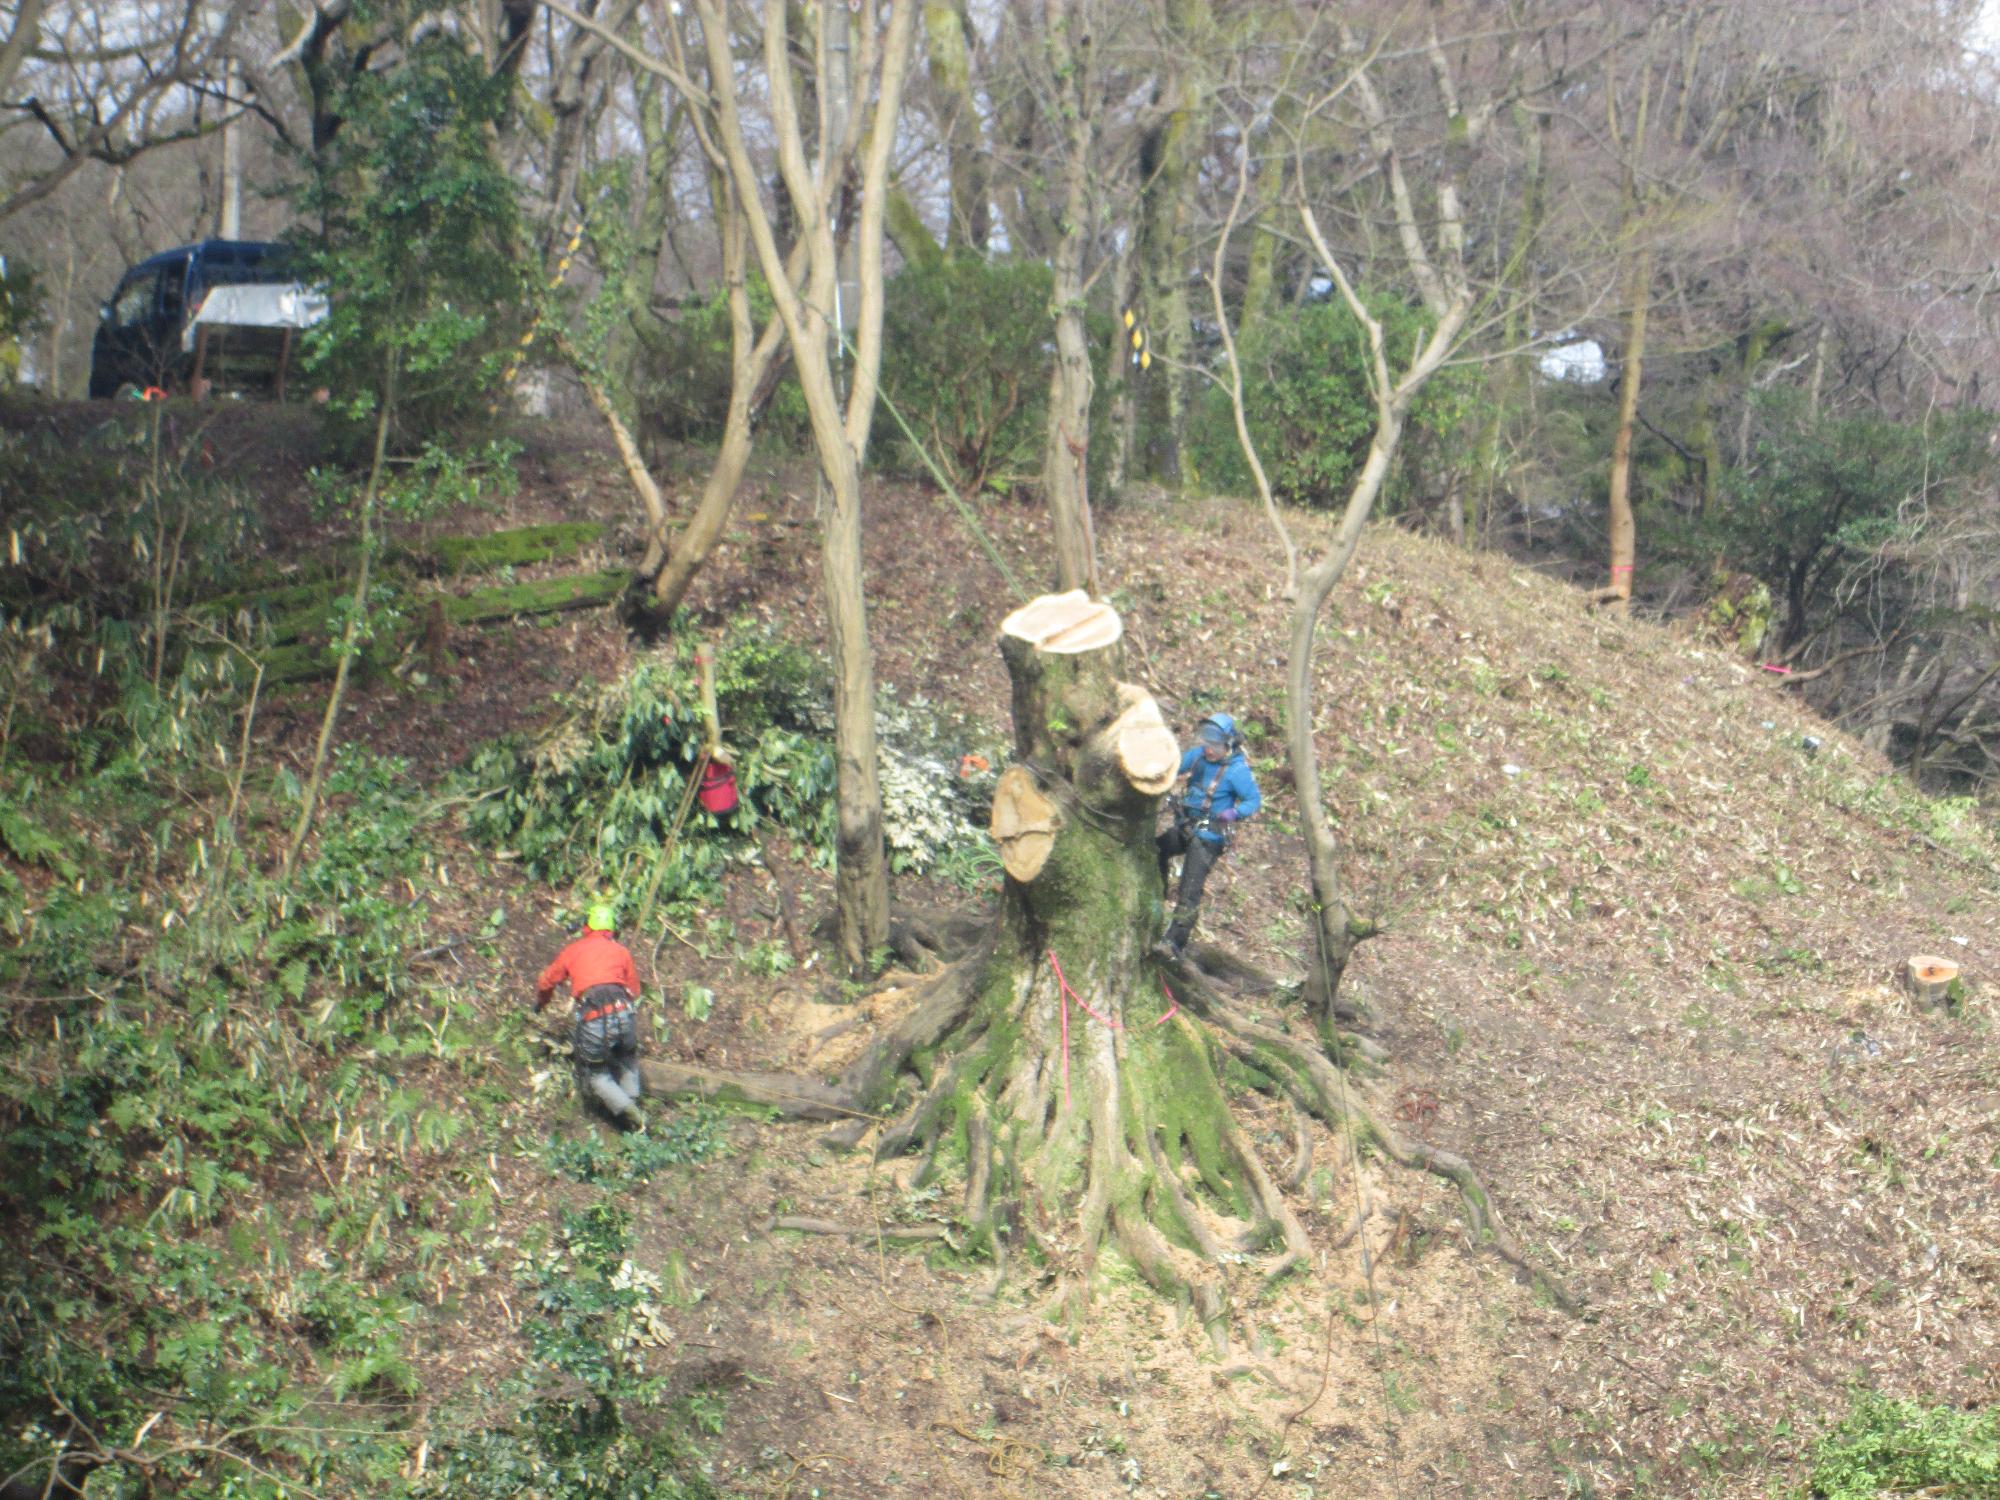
{"x":134,"y":301}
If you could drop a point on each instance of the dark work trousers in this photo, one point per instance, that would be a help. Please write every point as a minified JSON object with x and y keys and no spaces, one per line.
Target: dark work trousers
{"x":1199,"y":857}
{"x":606,"y":1048}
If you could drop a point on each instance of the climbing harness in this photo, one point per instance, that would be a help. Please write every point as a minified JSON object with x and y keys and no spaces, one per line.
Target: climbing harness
{"x":613,"y":1008}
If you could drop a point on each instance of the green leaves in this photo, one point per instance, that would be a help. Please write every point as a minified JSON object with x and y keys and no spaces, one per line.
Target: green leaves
{"x":698,"y":1001}
{"x":1310,"y":412}
{"x":1887,"y":1446}
{"x":965,"y":360}
{"x":1825,"y":490}
{"x":594,"y":798}
{"x":419,"y":249}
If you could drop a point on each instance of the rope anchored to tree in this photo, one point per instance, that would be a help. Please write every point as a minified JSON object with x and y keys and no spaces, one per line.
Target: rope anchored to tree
{"x":1066,"y":994}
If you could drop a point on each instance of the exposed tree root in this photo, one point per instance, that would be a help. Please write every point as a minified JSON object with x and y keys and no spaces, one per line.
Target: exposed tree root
{"x":860,"y":1231}
{"x":1302,"y":1149}
{"x":935,"y":1015}
{"x":1315,"y":1084}
{"x":1137,"y":1178}
{"x":926,"y":939}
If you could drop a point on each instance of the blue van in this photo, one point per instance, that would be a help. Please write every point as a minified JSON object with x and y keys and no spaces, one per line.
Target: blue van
{"x":139,"y":338}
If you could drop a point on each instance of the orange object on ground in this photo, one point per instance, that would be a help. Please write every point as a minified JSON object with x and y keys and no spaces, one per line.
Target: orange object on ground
{"x":593,"y":959}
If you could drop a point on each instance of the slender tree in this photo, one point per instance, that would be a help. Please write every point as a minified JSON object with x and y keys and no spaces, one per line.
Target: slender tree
{"x":813,"y":192}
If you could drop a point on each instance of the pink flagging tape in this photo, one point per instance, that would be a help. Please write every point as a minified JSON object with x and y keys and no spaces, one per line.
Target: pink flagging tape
{"x":1067,"y":994}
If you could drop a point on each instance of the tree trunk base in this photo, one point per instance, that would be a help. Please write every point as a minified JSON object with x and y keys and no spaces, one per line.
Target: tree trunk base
{"x":1139,"y":1155}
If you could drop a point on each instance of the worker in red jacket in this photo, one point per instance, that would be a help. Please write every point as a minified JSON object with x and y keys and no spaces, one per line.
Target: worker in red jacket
{"x":605,"y":982}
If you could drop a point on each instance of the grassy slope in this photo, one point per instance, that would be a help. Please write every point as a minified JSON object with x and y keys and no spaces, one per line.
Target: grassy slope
{"x":1639,"y":981}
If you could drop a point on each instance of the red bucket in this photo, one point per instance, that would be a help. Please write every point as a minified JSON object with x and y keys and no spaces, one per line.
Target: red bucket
{"x":718,"y":788}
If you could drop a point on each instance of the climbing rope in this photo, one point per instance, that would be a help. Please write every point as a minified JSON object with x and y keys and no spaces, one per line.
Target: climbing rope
{"x":1066,"y":994}
{"x":958,"y":503}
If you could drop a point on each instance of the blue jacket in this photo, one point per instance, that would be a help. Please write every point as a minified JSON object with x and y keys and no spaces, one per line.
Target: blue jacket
{"x":1234,"y":787}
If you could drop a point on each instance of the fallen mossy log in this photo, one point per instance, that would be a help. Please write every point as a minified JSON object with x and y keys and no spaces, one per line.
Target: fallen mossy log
{"x":518,"y":548}
{"x":542,"y":597}
{"x":799,"y":1098}
{"x":281,"y":596}
{"x":293,"y":657}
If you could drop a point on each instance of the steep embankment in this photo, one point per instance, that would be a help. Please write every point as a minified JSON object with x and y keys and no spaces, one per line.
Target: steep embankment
{"x":1635,"y":968}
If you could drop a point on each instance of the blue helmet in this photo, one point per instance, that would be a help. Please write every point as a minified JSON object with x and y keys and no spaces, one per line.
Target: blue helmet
{"x":1218,"y":728}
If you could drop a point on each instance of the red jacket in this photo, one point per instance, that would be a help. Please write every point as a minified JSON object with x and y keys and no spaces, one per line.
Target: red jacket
{"x":593,"y":959}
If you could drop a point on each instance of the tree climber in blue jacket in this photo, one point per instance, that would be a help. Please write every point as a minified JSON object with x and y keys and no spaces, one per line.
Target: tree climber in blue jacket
{"x":1219,"y":793}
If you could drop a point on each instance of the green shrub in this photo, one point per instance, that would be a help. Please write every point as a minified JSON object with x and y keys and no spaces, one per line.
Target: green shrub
{"x":682,"y":373}
{"x":592,"y":799}
{"x":1826,"y":491}
{"x":22,"y":314}
{"x":566,"y":1450}
{"x":966,"y":345}
{"x":418,"y":244}
{"x":1901,"y":1447}
{"x":689,"y":1137}
{"x":1310,"y":414}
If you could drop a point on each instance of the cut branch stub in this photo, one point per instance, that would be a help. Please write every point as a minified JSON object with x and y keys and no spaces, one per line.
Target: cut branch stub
{"x":1146,"y":749}
{"x":1024,"y":824}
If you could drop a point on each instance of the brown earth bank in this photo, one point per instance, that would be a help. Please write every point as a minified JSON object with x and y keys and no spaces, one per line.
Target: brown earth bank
{"x":1638,"y":967}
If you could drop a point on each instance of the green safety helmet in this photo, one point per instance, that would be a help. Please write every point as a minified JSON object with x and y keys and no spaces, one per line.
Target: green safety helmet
{"x":601,"y":918}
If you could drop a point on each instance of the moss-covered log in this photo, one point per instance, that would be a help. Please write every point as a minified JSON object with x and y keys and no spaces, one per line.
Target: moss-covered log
{"x":283,"y":597}
{"x":543,"y":597}
{"x":520,"y":547}
{"x":299,"y":652}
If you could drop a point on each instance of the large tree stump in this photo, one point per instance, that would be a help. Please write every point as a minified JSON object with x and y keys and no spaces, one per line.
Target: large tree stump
{"x":1079,"y":1102}
{"x":1087,"y":1110}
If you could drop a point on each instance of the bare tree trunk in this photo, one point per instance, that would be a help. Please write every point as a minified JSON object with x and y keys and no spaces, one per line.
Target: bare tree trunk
{"x":1336,"y":930}
{"x":1448,"y":297}
{"x":1168,"y":167}
{"x":946,"y":29}
{"x":1066,"y":450}
{"x":1617,"y":594}
{"x":750,"y":358}
{"x":350,"y":637}
{"x":1511,"y":380}
{"x":634,"y":464}
{"x":861,"y":876}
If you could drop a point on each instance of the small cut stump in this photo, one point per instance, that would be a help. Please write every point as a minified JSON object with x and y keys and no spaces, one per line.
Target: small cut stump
{"x":1929,"y":980}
